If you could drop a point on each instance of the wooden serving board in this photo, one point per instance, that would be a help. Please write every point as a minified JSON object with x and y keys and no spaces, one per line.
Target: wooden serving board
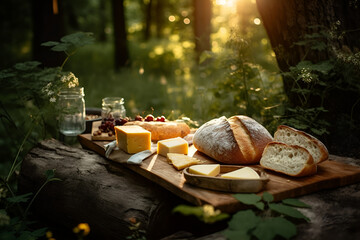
{"x":330,"y":174}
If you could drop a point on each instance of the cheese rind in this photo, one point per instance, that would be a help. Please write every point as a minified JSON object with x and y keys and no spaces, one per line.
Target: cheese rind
{"x":132,"y":139}
{"x":181,"y":161}
{"x":205,"y":169}
{"x":172,"y":145}
{"x":242,"y":173}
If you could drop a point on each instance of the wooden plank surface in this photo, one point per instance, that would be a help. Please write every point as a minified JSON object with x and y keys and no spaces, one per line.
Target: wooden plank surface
{"x":330,"y":174}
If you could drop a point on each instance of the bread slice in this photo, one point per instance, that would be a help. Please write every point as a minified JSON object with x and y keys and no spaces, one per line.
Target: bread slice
{"x":294,"y":161}
{"x":292,"y":136}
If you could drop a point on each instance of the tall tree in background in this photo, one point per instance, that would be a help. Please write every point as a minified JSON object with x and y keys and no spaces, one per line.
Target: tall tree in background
{"x":47,"y":26}
{"x":148,"y":19}
{"x":202,"y":25}
{"x":102,"y":20}
{"x":159,"y":18}
{"x":120,"y":35}
{"x":292,"y":23}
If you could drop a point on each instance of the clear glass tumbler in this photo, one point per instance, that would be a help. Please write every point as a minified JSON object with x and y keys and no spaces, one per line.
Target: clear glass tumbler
{"x":72,"y":111}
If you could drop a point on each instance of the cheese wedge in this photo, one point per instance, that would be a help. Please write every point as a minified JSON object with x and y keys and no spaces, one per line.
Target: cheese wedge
{"x":205,"y":169}
{"x":172,"y":145}
{"x":132,"y":139}
{"x":242,"y":173}
{"x":181,"y":161}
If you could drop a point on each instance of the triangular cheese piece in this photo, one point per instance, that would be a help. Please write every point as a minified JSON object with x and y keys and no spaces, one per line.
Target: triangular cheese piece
{"x":205,"y":169}
{"x":181,"y":161}
{"x":242,"y":173}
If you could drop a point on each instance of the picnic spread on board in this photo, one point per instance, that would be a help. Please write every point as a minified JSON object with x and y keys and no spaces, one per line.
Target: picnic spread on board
{"x":222,"y":157}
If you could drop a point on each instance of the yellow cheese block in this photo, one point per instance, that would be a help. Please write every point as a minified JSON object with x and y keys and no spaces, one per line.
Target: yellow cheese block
{"x":172,"y":145}
{"x":132,"y":139}
{"x":242,"y":173}
{"x":205,"y":169}
{"x":181,"y":161}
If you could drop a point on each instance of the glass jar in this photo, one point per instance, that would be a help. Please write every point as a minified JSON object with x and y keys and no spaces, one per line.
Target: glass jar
{"x":72,"y":111}
{"x":112,"y":108}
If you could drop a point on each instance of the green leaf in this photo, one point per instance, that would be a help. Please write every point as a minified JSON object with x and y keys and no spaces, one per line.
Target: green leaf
{"x":27,"y":66}
{"x":236,"y":235}
{"x":188,"y":210}
{"x":267,"y":197}
{"x":39,"y":232}
{"x":50,"y":44}
{"x":61,"y":47}
{"x":78,"y":39}
{"x":19,"y":198}
{"x":260,"y":205}
{"x":247,"y":198}
{"x":50,"y":173}
{"x":288,"y":211}
{"x":244,"y":220}
{"x":25,"y":235}
{"x":272,"y":227}
{"x":295,"y":202}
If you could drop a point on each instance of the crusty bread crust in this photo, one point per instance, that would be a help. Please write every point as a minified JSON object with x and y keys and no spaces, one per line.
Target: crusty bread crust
{"x":324,"y":153}
{"x":216,"y":139}
{"x":163,"y":130}
{"x":258,"y":135}
{"x":237,"y":140}
{"x":309,"y":167}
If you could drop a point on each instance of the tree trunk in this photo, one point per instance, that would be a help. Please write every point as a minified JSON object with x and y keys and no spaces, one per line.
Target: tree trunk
{"x":104,"y":194}
{"x":159,"y":18}
{"x":202,"y":25}
{"x":287,"y":22}
{"x":47,"y":26}
{"x":102,"y":20}
{"x":148,"y":20}
{"x":120,"y":34}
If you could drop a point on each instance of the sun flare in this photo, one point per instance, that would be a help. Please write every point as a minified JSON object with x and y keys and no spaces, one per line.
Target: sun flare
{"x":227,"y":3}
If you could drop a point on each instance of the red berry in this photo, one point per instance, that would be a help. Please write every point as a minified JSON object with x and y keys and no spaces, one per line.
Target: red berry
{"x":139,"y":118}
{"x":149,"y":118}
{"x":160,"y":119}
{"x":124,"y":120}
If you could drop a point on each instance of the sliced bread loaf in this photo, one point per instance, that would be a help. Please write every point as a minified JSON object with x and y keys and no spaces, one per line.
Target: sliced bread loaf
{"x":291,"y":160}
{"x":293,"y":136}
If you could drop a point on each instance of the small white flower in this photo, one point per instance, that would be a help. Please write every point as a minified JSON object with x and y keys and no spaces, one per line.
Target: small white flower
{"x":71,"y":85}
{"x":76,"y":81}
{"x":53,"y":99}
{"x":63,"y":79}
{"x":49,"y":93}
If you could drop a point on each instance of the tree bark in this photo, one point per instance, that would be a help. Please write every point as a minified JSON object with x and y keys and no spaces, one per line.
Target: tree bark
{"x":104,"y":194}
{"x":287,"y":22}
{"x":47,"y":26}
{"x":202,"y":25}
{"x":122,"y":57}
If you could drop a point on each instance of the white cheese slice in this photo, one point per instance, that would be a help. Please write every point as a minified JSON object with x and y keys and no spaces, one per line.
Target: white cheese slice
{"x":205,"y":169}
{"x":242,"y":173}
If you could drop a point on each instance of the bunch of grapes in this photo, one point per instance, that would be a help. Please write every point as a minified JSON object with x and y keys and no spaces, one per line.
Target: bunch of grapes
{"x":108,"y":124}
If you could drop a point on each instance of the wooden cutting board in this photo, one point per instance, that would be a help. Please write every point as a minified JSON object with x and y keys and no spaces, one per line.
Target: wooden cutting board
{"x":330,"y":174}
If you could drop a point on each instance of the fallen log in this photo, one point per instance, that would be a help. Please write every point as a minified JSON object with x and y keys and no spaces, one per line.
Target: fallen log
{"x":107,"y":196}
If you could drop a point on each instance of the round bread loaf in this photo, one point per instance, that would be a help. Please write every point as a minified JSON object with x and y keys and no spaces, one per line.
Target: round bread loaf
{"x":237,"y":140}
